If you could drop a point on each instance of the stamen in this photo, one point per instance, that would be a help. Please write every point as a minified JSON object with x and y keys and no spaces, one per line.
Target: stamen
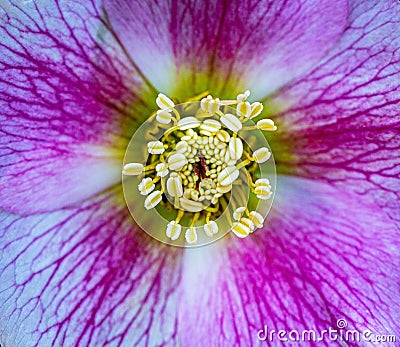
{"x":164,"y":117}
{"x":231,"y":122}
{"x":133,"y":169}
{"x":201,"y":166}
{"x":173,"y":230}
{"x":191,"y":235}
{"x":211,"y":228}
{"x":164,"y":102}
{"x":261,"y":155}
{"x":146,"y":186}
{"x":266,"y":125}
{"x":153,"y":200}
{"x":155,"y":147}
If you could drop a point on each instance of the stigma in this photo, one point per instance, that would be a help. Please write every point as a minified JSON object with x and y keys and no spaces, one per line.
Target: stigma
{"x":195,"y":164}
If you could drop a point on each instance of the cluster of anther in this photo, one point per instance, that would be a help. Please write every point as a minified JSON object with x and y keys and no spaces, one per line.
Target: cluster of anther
{"x":195,"y":164}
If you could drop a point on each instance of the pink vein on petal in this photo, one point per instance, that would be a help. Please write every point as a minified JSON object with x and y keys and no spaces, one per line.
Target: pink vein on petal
{"x":65,"y":89}
{"x":342,"y":120}
{"x":86,"y":276}
{"x":321,"y":256}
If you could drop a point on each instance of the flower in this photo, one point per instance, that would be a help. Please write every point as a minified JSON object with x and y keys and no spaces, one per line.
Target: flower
{"x":78,"y":78}
{"x":200,"y":164}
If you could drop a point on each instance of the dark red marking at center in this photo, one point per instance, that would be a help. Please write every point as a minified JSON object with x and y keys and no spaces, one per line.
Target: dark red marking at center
{"x":200,"y":169}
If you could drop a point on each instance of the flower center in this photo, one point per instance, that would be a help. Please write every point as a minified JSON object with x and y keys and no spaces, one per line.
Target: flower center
{"x":206,"y":166}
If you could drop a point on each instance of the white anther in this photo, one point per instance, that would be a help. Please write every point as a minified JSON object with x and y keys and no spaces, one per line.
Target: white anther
{"x":177,"y":161}
{"x":227,"y":156}
{"x":235,"y":148}
{"x":163,"y":116}
{"x":191,"y":235}
{"x":188,"y":123}
{"x":266,"y":125}
{"x":204,"y":103}
{"x":257,"y":219}
{"x":211,"y":228}
{"x":228,"y":175}
{"x":155,"y":147}
{"x":256,"y":109}
{"x":244,"y":96}
{"x":174,"y":185}
{"x":231,"y":122}
{"x":247,"y":222}
{"x":133,"y":169}
{"x":240,"y":230}
{"x":164,"y":102}
{"x":209,"y":104}
{"x":261,"y":155}
{"x":181,"y":147}
{"x":263,"y":192}
{"x":237,"y":214}
{"x":153,"y":200}
{"x":190,"y":205}
{"x":262,"y":182}
{"x":223,"y":136}
{"x":205,"y":133}
{"x":243,"y":109}
{"x":194,"y":195}
{"x":173,"y":230}
{"x":146,"y":186}
{"x":210,"y":125}
{"x":224,"y":189}
{"x":162,"y":169}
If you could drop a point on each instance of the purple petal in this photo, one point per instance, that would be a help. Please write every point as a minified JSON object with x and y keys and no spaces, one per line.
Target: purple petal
{"x":85,"y":276}
{"x":341,"y":123}
{"x":65,"y":86}
{"x":227,"y":41}
{"x":322,"y":256}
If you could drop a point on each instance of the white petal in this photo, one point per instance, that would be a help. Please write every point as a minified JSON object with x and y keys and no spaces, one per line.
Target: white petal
{"x":133,"y":169}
